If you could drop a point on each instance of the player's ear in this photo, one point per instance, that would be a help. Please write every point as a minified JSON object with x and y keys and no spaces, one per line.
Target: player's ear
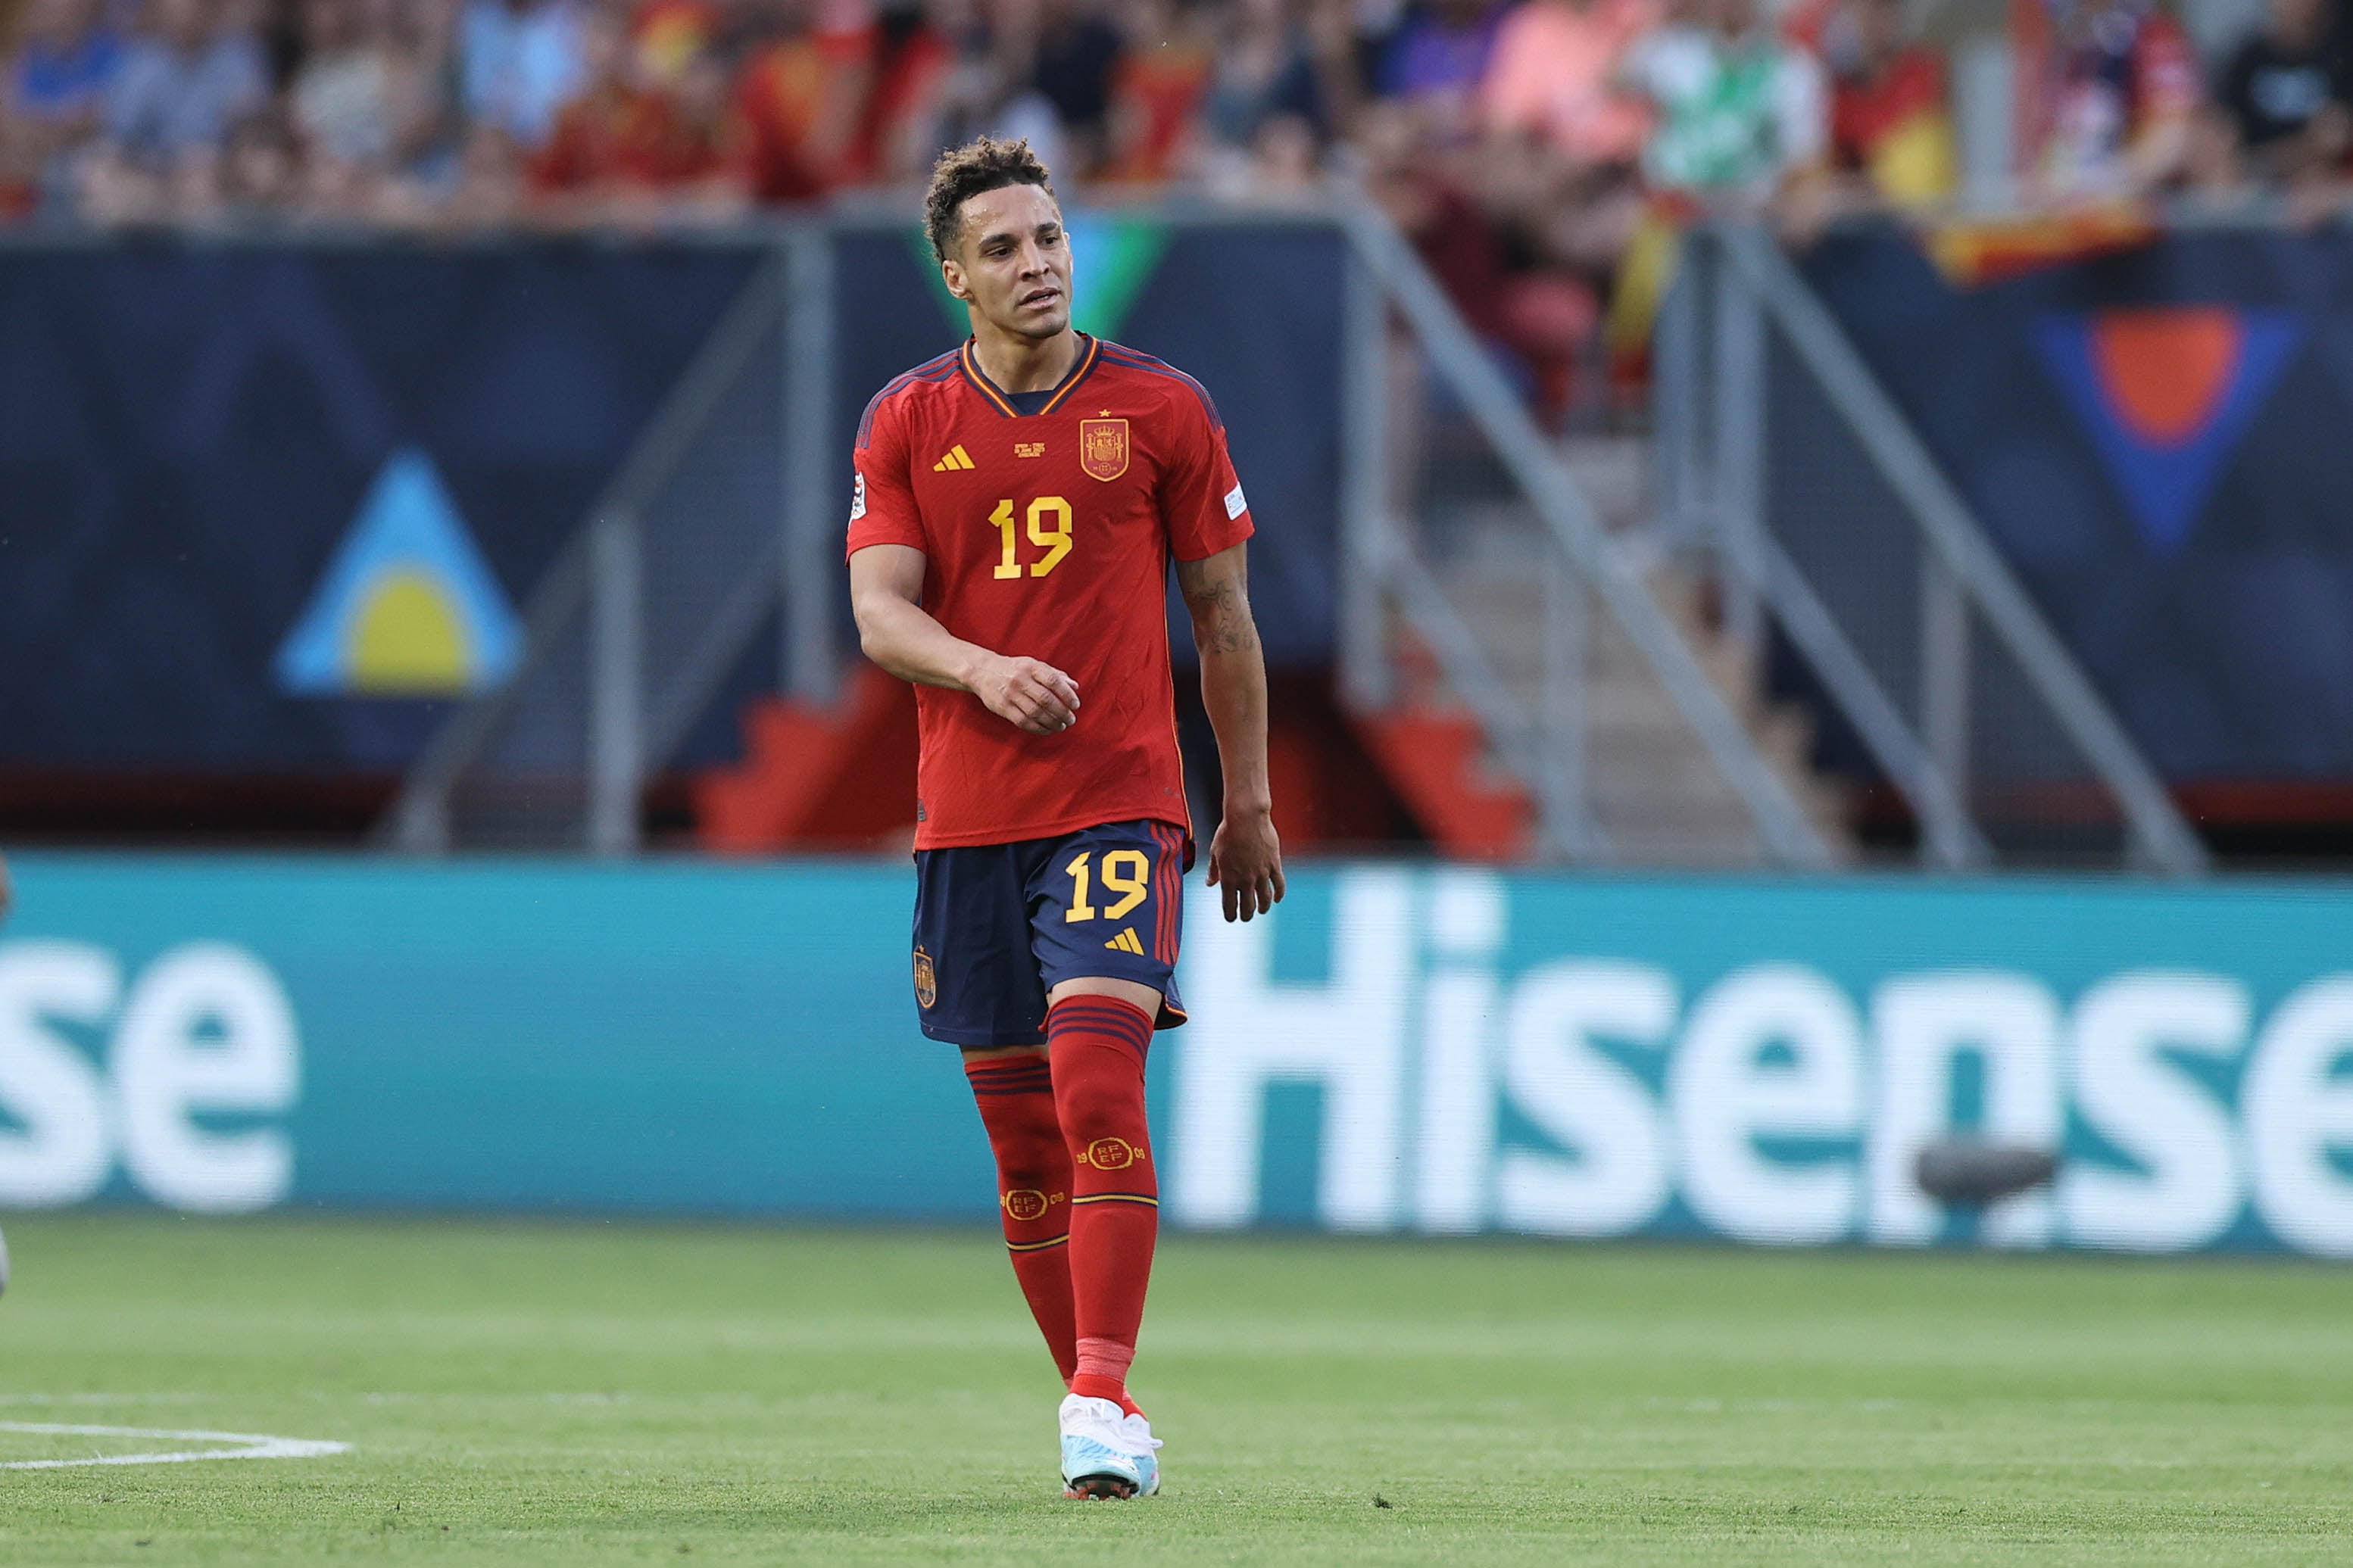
{"x":952,"y":273}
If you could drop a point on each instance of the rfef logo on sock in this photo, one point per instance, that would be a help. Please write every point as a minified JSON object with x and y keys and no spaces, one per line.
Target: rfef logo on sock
{"x":1027,"y":1203}
{"x":1111,"y":1154}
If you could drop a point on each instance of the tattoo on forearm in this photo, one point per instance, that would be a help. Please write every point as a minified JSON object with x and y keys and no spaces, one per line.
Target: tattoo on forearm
{"x":1225,"y":610}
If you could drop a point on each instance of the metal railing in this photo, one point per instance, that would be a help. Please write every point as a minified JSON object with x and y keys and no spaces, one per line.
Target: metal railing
{"x":1545,"y":743}
{"x":596,"y":705}
{"x":1748,"y":355}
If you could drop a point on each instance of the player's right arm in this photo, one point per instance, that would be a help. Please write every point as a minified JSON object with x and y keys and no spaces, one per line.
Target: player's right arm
{"x":887,"y":563}
{"x":886,"y":595}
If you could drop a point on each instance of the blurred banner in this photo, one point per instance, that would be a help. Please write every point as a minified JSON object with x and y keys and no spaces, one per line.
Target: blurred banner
{"x":265,"y":508}
{"x":2153,"y":439}
{"x":1436,"y":1050}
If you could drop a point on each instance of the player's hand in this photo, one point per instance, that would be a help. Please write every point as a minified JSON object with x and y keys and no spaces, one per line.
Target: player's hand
{"x":1028,"y":694}
{"x":1246,"y":861}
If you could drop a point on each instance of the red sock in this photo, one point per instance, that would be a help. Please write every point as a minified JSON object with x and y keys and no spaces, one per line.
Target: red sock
{"x":1016,"y":1097}
{"x":1098,"y":1045}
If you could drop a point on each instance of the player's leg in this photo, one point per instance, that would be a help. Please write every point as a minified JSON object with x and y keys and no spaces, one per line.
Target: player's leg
{"x":978,"y":987}
{"x":1106,"y":925}
{"x":1098,"y":1031}
{"x":1015,"y":1092}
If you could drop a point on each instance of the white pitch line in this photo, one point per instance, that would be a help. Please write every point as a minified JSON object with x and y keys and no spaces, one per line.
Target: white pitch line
{"x":252,"y":1445}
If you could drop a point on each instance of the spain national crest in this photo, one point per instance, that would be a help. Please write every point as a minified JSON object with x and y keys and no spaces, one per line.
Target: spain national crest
{"x":927,"y":980}
{"x":1103,"y":447}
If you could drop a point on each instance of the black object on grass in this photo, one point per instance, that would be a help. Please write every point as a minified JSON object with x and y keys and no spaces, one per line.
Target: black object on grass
{"x":1969,"y":1172}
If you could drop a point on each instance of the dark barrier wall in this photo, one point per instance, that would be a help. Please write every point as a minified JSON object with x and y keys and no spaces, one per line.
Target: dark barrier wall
{"x":201,"y":446}
{"x":2158,"y":441}
{"x":188,"y":434}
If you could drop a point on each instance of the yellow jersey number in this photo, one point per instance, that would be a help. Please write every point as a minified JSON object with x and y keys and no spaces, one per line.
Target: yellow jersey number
{"x":1126,"y":872}
{"x":1050,"y":531}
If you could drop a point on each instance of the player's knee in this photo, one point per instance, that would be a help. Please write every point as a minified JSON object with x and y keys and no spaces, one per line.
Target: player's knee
{"x":1093,"y":1106}
{"x":1025,"y":1133}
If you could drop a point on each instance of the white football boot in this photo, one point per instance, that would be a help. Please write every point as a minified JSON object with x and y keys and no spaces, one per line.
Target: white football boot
{"x":1105,"y":1453}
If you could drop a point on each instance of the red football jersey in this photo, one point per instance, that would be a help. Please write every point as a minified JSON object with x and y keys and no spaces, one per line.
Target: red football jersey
{"x":1047,"y":536}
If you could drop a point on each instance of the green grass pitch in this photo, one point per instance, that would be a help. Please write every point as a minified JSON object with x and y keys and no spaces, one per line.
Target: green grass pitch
{"x":589,"y":1394}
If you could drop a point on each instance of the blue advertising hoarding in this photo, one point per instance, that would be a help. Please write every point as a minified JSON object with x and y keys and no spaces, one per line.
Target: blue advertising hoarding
{"x":1441,"y":1050}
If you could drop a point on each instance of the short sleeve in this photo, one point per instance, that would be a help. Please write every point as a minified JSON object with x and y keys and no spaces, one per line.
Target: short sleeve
{"x":882,"y":501}
{"x":1201,"y":498}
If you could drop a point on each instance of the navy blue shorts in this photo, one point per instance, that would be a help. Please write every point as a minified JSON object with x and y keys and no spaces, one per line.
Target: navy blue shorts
{"x":998,"y":925}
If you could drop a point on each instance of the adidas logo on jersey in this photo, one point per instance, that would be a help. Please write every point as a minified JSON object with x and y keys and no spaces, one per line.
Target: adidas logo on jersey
{"x":1126,"y":941}
{"x":958,"y":458}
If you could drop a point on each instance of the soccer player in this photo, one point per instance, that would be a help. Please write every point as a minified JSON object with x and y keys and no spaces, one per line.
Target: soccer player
{"x":1016,"y":506}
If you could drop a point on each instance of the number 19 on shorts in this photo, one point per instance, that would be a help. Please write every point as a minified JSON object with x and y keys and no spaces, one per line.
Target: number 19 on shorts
{"x":1125,"y":872}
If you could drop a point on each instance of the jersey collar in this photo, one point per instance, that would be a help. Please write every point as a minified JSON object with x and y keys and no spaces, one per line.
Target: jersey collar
{"x":1003,"y":402}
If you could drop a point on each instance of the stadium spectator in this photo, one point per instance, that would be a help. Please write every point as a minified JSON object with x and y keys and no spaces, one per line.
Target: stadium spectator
{"x":1540,"y":316}
{"x":487,"y":184}
{"x":1437,"y":60}
{"x":970,"y":76}
{"x":54,"y":96}
{"x":189,"y":76}
{"x":259,"y":169}
{"x":2108,"y":92}
{"x":1371,"y":28}
{"x":1076,"y":63}
{"x":1563,"y":135}
{"x":1157,"y":100}
{"x":1265,"y":88}
{"x":2283,"y":96}
{"x":647,"y":133}
{"x":667,"y":36}
{"x":520,"y":61}
{"x":913,"y":55}
{"x":1741,"y":126}
{"x":342,"y":93}
{"x":800,"y":100}
{"x":1553,"y":78}
{"x":1739,"y":113}
{"x":1891,"y":126}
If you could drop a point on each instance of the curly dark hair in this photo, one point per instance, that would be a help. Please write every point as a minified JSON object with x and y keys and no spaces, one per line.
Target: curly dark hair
{"x":972,"y":169}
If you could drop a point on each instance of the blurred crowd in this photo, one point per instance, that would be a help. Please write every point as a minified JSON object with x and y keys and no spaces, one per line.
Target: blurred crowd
{"x":1541,"y":152}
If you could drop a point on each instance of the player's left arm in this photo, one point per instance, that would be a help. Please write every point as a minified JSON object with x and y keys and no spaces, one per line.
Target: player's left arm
{"x":1245,"y":858}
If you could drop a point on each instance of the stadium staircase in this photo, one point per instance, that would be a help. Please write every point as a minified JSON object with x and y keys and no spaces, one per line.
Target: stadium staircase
{"x":1650,"y":787}
{"x":1435,"y":755}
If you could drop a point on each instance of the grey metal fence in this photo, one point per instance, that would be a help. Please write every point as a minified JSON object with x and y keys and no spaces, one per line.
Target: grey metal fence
{"x":1831,"y":521}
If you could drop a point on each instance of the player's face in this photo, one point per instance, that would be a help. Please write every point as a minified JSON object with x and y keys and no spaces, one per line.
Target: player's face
{"x":1012,"y":263}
